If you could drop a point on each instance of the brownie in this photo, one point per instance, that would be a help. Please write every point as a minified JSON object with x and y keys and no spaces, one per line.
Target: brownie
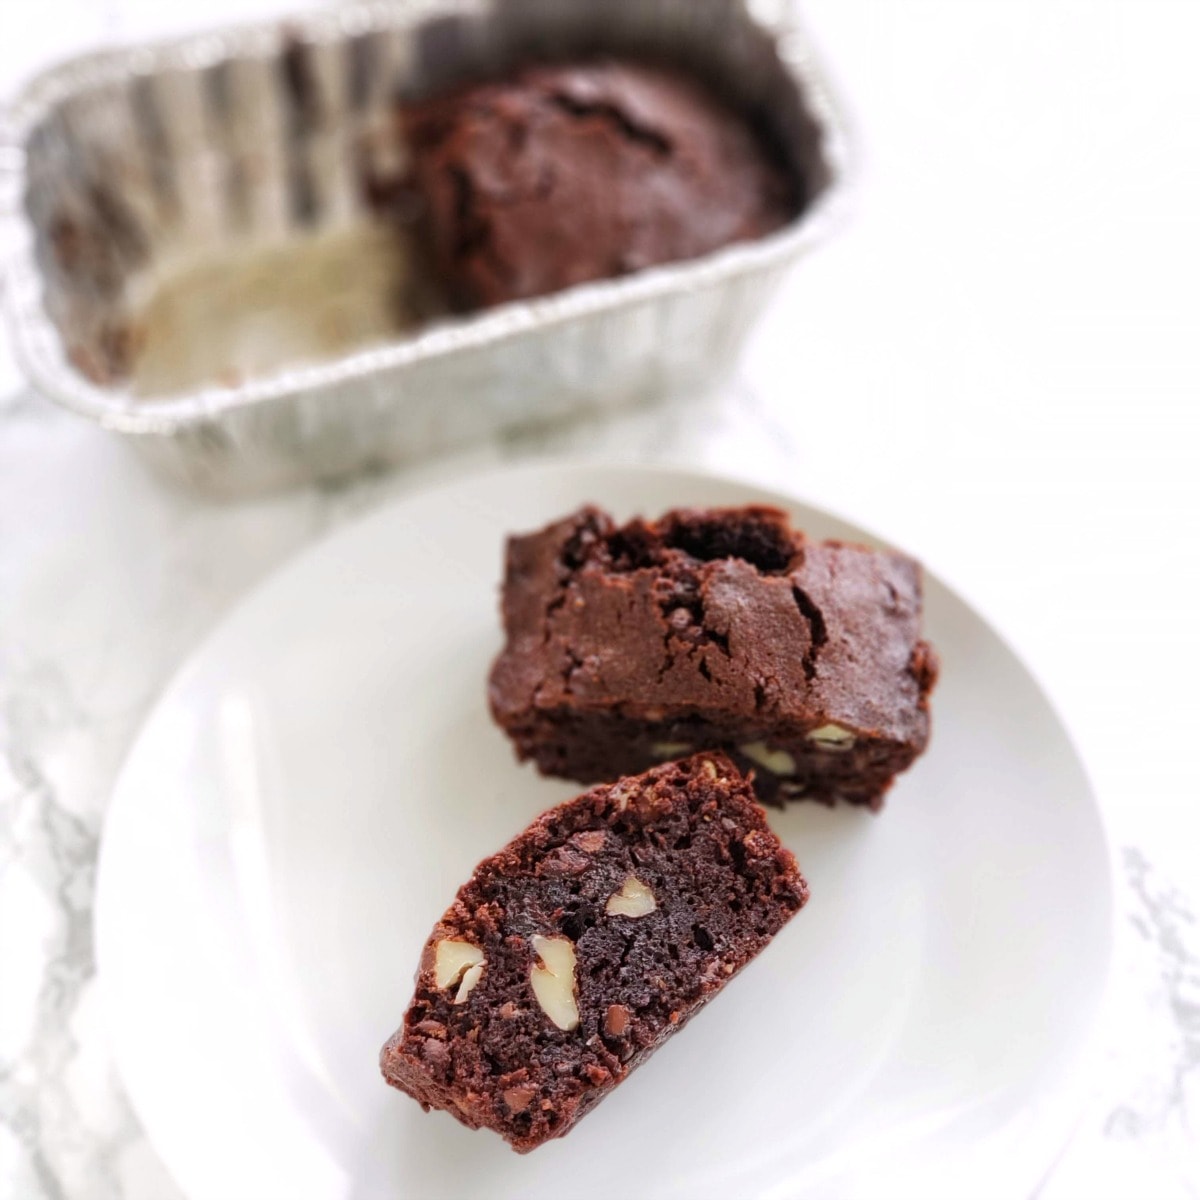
{"x":561,"y":174}
{"x":713,"y":629}
{"x":592,"y":937}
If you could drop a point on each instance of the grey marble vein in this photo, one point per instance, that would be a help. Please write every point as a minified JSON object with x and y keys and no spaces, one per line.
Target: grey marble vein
{"x":1163,"y":918}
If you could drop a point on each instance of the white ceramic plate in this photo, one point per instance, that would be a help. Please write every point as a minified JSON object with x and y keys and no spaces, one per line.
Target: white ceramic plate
{"x":322,"y":775}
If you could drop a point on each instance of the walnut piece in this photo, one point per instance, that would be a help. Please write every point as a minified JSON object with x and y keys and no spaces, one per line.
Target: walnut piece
{"x":831,"y":737}
{"x":670,"y":749}
{"x":454,"y":961}
{"x":553,"y":980}
{"x":634,"y":899}
{"x":469,"y":980}
{"x":620,"y":795}
{"x":778,"y":762}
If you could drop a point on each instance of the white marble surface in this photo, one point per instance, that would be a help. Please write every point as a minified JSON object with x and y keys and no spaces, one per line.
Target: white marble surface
{"x":995,"y":366}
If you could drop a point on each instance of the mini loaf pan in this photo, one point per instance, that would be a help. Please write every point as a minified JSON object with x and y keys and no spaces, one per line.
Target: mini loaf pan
{"x":250,"y":146}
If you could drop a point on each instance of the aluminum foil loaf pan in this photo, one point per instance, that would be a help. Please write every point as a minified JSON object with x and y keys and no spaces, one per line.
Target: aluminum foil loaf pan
{"x":191,"y":257}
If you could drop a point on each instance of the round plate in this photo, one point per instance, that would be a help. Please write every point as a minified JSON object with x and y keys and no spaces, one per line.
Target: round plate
{"x":322,"y":775}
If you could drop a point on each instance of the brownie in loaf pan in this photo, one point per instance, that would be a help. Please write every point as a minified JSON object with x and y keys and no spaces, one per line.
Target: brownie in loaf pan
{"x":591,"y":938}
{"x":563,"y":174}
{"x":713,"y":629}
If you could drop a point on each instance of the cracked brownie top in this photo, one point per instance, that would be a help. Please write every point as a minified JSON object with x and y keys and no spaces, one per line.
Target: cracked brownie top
{"x":568,"y":173}
{"x":716,"y":610}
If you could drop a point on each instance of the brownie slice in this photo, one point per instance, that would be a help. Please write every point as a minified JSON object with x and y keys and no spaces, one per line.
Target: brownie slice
{"x":561,"y":174}
{"x":592,"y":937}
{"x":713,"y":629}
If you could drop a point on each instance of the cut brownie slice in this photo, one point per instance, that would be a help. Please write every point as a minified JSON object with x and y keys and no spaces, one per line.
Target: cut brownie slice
{"x":717,"y":628}
{"x":574,"y":953}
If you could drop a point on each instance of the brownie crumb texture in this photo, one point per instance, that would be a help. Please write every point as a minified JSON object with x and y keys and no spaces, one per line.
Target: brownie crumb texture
{"x":561,"y":174}
{"x":574,"y":953}
{"x":628,"y":645}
